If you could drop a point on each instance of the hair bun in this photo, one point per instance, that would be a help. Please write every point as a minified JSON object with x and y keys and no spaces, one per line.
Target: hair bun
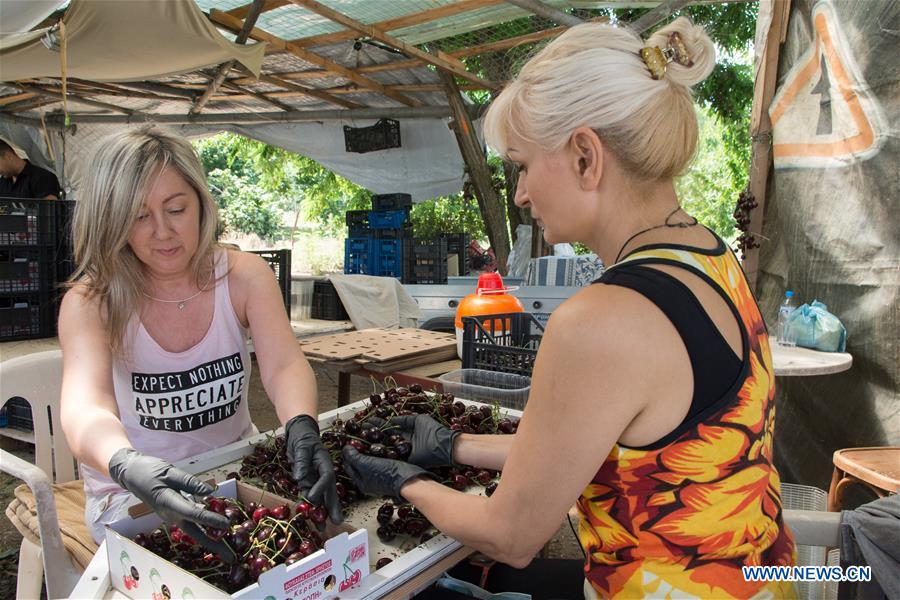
{"x":699,"y":47}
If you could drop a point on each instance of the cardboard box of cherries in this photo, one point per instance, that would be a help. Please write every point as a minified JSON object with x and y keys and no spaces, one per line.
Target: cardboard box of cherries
{"x":281,"y":553}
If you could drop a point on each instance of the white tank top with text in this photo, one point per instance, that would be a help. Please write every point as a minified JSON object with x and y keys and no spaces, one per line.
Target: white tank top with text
{"x":175,"y":405}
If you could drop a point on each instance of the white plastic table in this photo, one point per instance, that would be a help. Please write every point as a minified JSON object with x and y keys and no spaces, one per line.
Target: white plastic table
{"x":407,"y":575}
{"x":796,"y":361}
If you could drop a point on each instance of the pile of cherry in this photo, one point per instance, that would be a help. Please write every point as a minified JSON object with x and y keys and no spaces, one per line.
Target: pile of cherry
{"x":261,"y":538}
{"x":268,"y":466}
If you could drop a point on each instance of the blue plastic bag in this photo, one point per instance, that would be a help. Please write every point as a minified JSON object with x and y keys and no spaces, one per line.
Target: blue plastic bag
{"x":812,"y":326}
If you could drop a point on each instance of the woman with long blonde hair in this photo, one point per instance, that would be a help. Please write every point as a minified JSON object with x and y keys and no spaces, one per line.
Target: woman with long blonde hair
{"x":154,"y":330}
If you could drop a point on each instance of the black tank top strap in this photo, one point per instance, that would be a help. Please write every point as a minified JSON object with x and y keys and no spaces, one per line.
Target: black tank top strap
{"x":714,"y":364}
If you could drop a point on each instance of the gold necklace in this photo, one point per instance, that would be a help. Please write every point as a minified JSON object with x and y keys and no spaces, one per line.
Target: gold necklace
{"x":183,"y":301}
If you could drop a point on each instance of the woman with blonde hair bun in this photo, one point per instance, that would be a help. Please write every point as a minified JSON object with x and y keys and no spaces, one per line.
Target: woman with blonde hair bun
{"x":651,"y":405}
{"x":154,"y":335}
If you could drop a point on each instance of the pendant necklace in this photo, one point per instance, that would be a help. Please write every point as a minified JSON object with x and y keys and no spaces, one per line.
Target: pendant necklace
{"x":183,"y":301}
{"x":690,"y":223}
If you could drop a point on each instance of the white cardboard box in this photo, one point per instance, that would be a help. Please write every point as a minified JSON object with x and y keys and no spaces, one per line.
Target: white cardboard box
{"x":140,"y":574}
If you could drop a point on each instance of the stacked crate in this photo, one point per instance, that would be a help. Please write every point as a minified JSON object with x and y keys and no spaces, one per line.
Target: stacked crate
{"x":35,"y":256}
{"x":375,"y":243}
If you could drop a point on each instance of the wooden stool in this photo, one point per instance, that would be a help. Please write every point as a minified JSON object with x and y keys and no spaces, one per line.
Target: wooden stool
{"x":876,"y":468}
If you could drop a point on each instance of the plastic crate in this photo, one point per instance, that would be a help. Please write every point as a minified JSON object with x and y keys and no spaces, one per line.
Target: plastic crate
{"x":18,"y":414}
{"x":389,"y":266}
{"x":28,"y":222}
{"x":280,"y":262}
{"x":392,"y":248}
{"x":27,"y":316}
{"x":65,"y":255}
{"x":507,"y":342}
{"x":326,"y":304}
{"x":382,"y":135}
{"x":458,"y":244}
{"x":357,"y":223}
{"x":430,"y":274}
{"x":359,"y":256}
{"x":398,"y":233}
{"x":391,"y":201}
{"x":506,"y":389}
{"x":27,"y":269}
{"x":388,"y":219}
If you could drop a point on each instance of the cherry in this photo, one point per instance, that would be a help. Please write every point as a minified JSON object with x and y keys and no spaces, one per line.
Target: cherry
{"x":318,"y":515}
{"x":415,"y":388}
{"x":260,"y":513}
{"x":294,"y":557}
{"x":306,"y":547}
{"x":375,"y":399}
{"x":483,"y":477}
{"x":386,"y":533}
{"x":303,"y":508}
{"x":491,"y":488}
{"x":216,"y":505}
{"x":282,"y":512}
{"x":237,"y":576}
{"x":383,"y":562}
{"x":259,"y":565}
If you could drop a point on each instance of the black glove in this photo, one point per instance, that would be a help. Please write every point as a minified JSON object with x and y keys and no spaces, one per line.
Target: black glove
{"x":159,"y":485}
{"x":379,"y":476}
{"x":312,"y":467}
{"x":432,"y":443}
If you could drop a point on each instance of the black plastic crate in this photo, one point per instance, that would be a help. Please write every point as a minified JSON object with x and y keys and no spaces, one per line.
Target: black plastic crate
{"x":27,"y":316}
{"x":326,"y":304}
{"x":398,"y":233}
{"x":506,"y":342}
{"x":429,"y":251}
{"x":358,"y":223}
{"x":458,"y":244}
{"x":27,"y":269}
{"x":391,"y":201}
{"x":436,"y":274}
{"x":18,"y":414}
{"x":382,"y":135}
{"x":28,"y":222}
{"x":65,"y":255}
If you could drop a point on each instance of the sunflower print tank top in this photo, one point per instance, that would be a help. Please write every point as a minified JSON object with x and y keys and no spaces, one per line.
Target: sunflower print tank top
{"x":681,"y":520}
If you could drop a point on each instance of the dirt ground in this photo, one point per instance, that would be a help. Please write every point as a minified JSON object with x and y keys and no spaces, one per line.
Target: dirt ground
{"x":563,"y":544}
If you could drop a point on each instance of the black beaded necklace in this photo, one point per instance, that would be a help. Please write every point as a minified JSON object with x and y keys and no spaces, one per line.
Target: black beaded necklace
{"x":683,"y":225}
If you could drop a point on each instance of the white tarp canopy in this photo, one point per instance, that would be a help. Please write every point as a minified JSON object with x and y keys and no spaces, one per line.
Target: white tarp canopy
{"x":125,"y":41}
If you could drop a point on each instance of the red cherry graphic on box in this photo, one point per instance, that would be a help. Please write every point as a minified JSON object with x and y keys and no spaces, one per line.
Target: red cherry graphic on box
{"x":350,"y":581}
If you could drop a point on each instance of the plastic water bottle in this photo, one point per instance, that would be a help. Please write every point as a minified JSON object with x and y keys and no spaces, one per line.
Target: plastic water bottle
{"x":784,"y":311}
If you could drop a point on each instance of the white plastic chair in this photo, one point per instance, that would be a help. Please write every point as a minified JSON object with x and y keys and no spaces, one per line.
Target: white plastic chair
{"x":815,"y":531}
{"x":38,"y":379}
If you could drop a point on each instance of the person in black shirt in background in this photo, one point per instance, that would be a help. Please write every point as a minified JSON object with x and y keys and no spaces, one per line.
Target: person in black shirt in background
{"x":21,"y":179}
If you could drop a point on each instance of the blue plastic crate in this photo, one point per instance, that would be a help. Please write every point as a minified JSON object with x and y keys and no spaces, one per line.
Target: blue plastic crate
{"x":388,"y":219}
{"x":389,"y":266}
{"x":360,"y":256}
{"x":391,"y":248}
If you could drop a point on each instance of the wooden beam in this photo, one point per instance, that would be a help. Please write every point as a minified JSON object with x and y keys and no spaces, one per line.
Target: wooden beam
{"x":246,"y":27}
{"x":408,"y":49}
{"x":315,"y":93}
{"x":310,"y":57}
{"x":53,"y":94}
{"x":334,"y":93}
{"x":260,"y":97}
{"x":418,"y":18}
{"x":160,"y":88}
{"x":761,"y":128}
{"x":25,"y":105}
{"x":492,"y":210}
{"x":241,"y":12}
{"x":16,"y":98}
{"x":297,"y":116}
{"x":548,"y":12}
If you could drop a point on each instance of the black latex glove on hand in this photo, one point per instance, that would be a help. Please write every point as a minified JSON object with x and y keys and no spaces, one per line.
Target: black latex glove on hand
{"x":312,"y":467}
{"x":432,"y":443}
{"x":379,"y":476}
{"x":159,"y":485}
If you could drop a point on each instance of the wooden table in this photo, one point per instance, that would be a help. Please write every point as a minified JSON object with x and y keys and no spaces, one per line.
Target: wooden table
{"x":793,"y":361}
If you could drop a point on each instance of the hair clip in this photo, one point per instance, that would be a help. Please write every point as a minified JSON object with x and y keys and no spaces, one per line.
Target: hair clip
{"x":657,"y":58}
{"x":655,"y":61}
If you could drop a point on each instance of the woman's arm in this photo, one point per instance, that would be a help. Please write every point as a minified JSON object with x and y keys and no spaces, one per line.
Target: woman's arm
{"x":286,"y":375}
{"x":485,"y":451}
{"x":598,"y":368}
{"x":88,"y":410}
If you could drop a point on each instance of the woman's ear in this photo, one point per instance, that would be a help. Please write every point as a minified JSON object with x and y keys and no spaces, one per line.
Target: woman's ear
{"x":587,"y":151}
